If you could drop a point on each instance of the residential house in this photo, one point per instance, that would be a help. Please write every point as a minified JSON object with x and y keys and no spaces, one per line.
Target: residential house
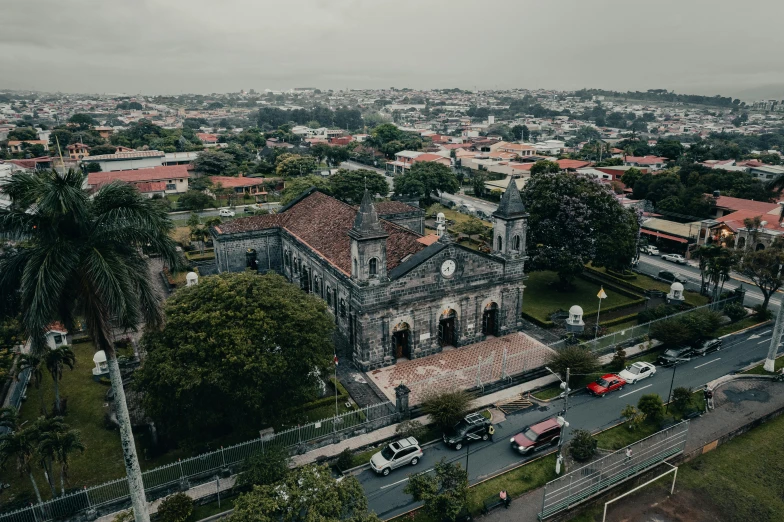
{"x":242,"y":186}
{"x":141,"y":159}
{"x":652,"y":162}
{"x":761,"y":172}
{"x":207,"y":138}
{"x":172,"y":179}
{"x":105,"y":132}
{"x":78,"y":151}
{"x":56,"y":335}
{"x":17,"y":147}
{"x":670,"y":236}
{"x":519,"y":149}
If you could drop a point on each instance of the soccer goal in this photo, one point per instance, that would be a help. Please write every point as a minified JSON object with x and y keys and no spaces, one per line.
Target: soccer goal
{"x":673,"y":470}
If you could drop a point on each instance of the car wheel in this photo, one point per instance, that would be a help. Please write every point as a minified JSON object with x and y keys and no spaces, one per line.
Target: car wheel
{"x":414,"y":461}
{"x":485,"y":436}
{"x":458,"y":446}
{"x":602,"y":394}
{"x":704,"y":353}
{"x":386,"y":471}
{"x":619,"y":389}
{"x":633,"y":382}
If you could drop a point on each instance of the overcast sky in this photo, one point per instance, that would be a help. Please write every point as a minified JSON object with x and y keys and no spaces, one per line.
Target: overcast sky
{"x":173,"y":46}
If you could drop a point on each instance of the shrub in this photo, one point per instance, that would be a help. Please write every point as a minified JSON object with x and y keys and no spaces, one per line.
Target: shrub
{"x":763,"y":314}
{"x":124,"y":516}
{"x":447,"y":408}
{"x":681,"y":397}
{"x":411,"y":428}
{"x":583,"y":445}
{"x":652,"y":407}
{"x":265,"y":468}
{"x":345,"y":460}
{"x":735,"y":311}
{"x":632,"y":416}
{"x":619,"y":359}
{"x":578,"y":359}
{"x":175,"y":508}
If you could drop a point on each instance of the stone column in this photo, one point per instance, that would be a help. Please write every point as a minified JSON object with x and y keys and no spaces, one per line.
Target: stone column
{"x":401,"y":399}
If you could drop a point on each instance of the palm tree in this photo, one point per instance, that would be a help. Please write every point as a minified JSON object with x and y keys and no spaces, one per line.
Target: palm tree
{"x":42,"y":427}
{"x":56,"y":360}
{"x":9,"y":418}
{"x":20,"y":445}
{"x":86,"y":255}
{"x":32,"y":362}
{"x":60,"y":445}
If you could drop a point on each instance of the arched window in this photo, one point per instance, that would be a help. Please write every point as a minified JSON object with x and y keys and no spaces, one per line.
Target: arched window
{"x":499,"y":244}
{"x":517,"y":243}
{"x":342,"y":307}
{"x":329,"y":296}
{"x":373,"y":267}
{"x":316,"y":285}
{"x":356,"y":268}
{"x":287,"y":258}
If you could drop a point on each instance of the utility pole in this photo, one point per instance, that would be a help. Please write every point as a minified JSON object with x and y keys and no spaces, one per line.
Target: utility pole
{"x":775,"y":340}
{"x":672,"y":383}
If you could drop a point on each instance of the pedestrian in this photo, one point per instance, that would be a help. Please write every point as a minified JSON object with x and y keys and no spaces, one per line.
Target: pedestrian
{"x":628,"y":454}
{"x":505,"y":498}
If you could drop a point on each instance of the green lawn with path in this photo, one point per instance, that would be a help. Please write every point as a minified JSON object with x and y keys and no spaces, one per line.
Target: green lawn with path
{"x":542,"y":298}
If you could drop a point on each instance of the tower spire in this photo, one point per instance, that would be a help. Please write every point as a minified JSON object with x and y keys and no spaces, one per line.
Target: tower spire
{"x":367,"y":224}
{"x":511,"y":202}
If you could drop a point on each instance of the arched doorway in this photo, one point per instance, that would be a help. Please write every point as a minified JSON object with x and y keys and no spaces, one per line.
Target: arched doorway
{"x":401,"y":338}
{"x":760,"y":246}
{"x":446,"y":328}
{"x":305,"y":280}
{"x":250,"y":259}
{"x":490,"y":320}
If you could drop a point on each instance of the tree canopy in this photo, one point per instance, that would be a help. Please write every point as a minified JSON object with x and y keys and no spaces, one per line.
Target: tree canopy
{"x":424,"y":178}
{"x":255,"y":342}
{"x":291,"y":165}
{"x":349,"y":185}
{"x":574,"y":220}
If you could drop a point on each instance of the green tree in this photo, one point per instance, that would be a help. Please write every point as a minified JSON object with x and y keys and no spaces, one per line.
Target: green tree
{"x":87,"y":258}
{"x":215,"y":162}
{"x":652,"y":407}
{"x":619,"y":359}
{"x":175,"y":508}
{"x":292,"y":165}
{"x":472,"y":227}
{"x":478,"y":179}
{"x":21,"y":446}
{"x":762,"y":269}
{"x":424,"y":178}
{"x":195,"y":200}
{"x":33,"y":363}
{"x":268,"y":467}
{"x":583,"y":445}
{"x":295,"y":187}
{"x":447,"y":408}
{"x":234,"y":339}
{"x":681,"y":397}
{"x":309,"y":493}
{"x":671,"y":332}
{"x":631,"y":176}
{"x":61,"y":444}
{"x":545,"y":166}
{"x":23,"y":134}
{"x":99,"y":150}
{"x":444,"y":493}
{"x":580,"y":361}
{"x":411,"y":428}
{"x":320,"y":151}
{"x":83,"y":121}
{"x":632,"y":416}
{"x":337,"y":155}
{"x":349,"y":185}
{"x":56,"y":360}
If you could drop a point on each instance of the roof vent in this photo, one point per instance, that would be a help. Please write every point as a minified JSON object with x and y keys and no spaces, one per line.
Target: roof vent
{"x":716,"y":193}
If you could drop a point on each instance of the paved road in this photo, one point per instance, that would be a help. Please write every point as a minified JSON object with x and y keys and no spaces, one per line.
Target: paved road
{"x":653,"y":264}
{"x":212,"y":212}
{"x":350,"y":165}
{"x":479,"y":204}
{"x":386,"y":495}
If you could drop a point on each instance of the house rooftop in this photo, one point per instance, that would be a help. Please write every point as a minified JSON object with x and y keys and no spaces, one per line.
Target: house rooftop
{"x":95,"y":179}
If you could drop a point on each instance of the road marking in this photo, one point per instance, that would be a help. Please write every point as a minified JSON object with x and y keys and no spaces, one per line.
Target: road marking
{"x":404,"y":480}
{"x":635,"y":391}
{"x":755,"y":336}
{"x":764,"y":341}
{"x":707,"y":363}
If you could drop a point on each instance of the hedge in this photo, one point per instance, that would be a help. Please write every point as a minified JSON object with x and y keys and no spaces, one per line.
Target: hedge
{"x":537,"y":321}
{"x":342,"y":396}
{"x":200,"y":257}
{"x":616,"y":280}
{"x":619,"y":320}
{"x":617,"y":284}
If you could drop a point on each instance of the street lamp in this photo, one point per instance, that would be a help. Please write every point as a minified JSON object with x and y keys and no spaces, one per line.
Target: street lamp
{"x":672,"y":383}
{"x":561,"y":418}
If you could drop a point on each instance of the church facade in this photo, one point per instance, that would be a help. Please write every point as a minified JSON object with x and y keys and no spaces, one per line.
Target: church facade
{"x":393,"y":292}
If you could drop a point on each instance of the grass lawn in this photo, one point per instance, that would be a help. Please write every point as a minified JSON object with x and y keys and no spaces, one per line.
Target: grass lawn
{"x":516,"y":482}
{"x":631,"y":323}
{"x":541,"y":299}
{"x":452,"y":215}
{"x":759,"y":370}
{"x":743,"y":477}
{"x":207,"y":510}
{"x":746,"y":322}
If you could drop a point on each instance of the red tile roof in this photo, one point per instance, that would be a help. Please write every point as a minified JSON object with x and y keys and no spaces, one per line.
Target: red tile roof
{"x":155,"y":186}
{"x":384,"y":208}
{"x":134,"y":176}
{"x":430,"y":157}
{"x":735,"y":220}
{"x":206,"y":137}
{"x":322,"y":223}
{"x":760,"y":207}
{"x":649,"y":160}
{"x":572,"y":164}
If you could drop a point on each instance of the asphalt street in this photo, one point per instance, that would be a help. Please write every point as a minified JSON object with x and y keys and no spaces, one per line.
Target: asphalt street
{"x":652,"y":265}
{"x":385,"y":494}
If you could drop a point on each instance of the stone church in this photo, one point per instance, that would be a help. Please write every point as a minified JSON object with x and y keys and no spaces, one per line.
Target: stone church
{"x":394,"y":292}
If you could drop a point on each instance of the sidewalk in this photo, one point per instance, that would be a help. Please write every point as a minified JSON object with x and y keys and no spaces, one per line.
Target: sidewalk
{"x":738,"y":403}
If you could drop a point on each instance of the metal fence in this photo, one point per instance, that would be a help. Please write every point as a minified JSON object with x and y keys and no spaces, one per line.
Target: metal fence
{"x":588,"y":481}
{"x":114,"y":495}
{"x":607,"y":343}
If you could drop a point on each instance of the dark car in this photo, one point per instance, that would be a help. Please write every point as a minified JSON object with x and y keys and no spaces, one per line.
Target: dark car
{"x":666,"y":275}
{"x":532,"y":438}
{"x":707,"y":346}
{"x":474,"y":427}
{"x":675,"y":355}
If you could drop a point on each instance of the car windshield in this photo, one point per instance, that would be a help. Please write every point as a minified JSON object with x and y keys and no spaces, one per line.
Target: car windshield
{"x":530,"y":434}
{"x":388,"y":453}
{"x":602,"y":382}
{"x":459,"y":429}
{"x":671,"y":353}
{"x":634,"y":370}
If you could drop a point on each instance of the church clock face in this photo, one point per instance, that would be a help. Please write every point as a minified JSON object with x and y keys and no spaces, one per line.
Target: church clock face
{"x":448,"y":268}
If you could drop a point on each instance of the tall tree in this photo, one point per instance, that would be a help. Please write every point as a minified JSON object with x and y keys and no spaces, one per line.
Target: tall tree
{"x":34,"y":364}
{"x":291,"y":165}
{"x":20,"y":446}
{"x":86,"y":255}
{"x":215,"y":162}
{"x":764,"y":269}
{"x":56,"y":360}
{"x":545,"y":166}
{"x":349,"y":185}
{"x":82,"y":121}
{"x":424,"y":178}
{"x":61,"y":444}
{"x":444,"y":492}
{"x":295,"y":187}
{"x":233,"y":339}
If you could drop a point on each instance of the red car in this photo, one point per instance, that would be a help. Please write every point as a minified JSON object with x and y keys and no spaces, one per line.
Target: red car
{"x":606,"y":384}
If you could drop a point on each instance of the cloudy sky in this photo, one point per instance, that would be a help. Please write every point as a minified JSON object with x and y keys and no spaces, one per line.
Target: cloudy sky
{"x":173,"y":46}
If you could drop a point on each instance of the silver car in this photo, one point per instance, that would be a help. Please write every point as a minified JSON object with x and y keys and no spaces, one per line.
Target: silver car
{"x":398,"y":454}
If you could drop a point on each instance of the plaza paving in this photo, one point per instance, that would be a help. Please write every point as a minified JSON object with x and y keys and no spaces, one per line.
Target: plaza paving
{"x":464,"y":367}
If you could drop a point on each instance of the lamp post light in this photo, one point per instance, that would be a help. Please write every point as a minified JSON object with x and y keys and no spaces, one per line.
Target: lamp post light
{"x":672,"y":383}
{"x":562,"y":417}
{"x":601,"y":295}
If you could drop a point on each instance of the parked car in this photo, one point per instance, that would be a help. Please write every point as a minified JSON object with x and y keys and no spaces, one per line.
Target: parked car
{"x":650,"y":249}
{"x":474,"y":427}
{"x":675,"y":355}
{"x":706,"y":346}
{"x":665,"y":275}
{"x":225,"y":212}
{"x":251,"y":209}
{"x":606,"y":384}
{"x":675,"y":258}
{"x":536,"y":437}
{"x":637,"y":371}
{"x":400,"y":453}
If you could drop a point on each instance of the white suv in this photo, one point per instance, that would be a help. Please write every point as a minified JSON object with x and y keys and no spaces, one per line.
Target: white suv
{"x":637,"y":371}
{"x":396,"y":455}
{"x":225,"y":212}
